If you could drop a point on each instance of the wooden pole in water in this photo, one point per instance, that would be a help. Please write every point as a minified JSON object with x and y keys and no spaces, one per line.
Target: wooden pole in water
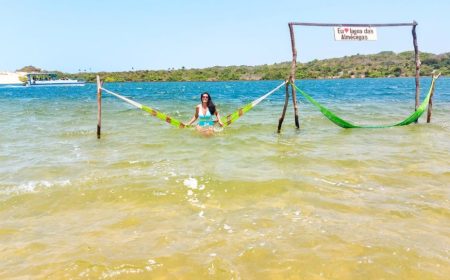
{"x":283,"y":113}
{"x":291,"y":80}
{"x":417,"y":60}
{"x":292,"y":75}
{"x":99,"y":106}
{"x":430,"y":102}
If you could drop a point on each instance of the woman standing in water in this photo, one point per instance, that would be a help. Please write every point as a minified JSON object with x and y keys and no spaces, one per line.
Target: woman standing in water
{"x":205,"y":112}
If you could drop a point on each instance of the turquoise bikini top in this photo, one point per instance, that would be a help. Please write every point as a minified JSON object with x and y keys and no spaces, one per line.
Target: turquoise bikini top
{"x":206,"y":119}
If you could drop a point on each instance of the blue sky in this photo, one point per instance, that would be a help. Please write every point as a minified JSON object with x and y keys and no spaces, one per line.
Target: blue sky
{"x":155,"y":34}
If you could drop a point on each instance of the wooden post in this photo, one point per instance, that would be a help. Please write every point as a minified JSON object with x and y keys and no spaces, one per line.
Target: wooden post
{"x":99,"y":105}
{"x":430,"y":102}
{"x":291,"y":80}
{"x":417,"y":60}
{"x":294,"y":101}
{"x":292,"y":75}
{"x":286,"y":100}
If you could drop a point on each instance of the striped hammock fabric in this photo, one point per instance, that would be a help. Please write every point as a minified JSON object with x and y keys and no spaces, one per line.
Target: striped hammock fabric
{"x":176,"y":123}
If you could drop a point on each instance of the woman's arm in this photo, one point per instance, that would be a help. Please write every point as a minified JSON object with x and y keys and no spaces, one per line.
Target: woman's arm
{"x":195,"y":117}
{"x":218,"y":118}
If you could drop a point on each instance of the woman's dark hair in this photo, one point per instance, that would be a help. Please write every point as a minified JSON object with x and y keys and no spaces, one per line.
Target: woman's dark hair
{"x":211,"y":106}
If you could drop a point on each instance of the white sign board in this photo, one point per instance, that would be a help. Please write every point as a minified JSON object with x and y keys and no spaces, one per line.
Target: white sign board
{"x":355,"y":33}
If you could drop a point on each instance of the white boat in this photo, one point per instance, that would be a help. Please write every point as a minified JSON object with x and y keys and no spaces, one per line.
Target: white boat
{"x":50,"y":79}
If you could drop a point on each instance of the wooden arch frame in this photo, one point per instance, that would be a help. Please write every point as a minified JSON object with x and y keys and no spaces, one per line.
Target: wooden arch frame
{"x":291,"y":78}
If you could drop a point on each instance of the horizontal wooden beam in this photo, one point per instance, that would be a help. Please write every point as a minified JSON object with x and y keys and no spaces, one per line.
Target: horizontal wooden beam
{"x":355,"y":24}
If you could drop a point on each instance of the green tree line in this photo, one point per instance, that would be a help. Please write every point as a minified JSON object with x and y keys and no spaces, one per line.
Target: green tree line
{"x":383,"y":64}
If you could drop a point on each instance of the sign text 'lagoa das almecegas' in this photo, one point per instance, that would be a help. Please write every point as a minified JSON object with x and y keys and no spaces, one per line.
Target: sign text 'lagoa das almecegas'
{"x":358,"y":33}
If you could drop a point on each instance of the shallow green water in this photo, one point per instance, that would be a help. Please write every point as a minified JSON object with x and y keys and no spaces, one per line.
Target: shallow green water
{"x":148,"y":201}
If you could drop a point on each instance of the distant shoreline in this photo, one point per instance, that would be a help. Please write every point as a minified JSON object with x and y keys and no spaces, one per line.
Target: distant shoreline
{"x":381,"y":65}
{"x":12,"y":78}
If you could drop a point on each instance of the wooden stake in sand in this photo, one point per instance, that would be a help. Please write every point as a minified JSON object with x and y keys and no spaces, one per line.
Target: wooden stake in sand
{"x":418,"y":63}
{"x":99,"y":105}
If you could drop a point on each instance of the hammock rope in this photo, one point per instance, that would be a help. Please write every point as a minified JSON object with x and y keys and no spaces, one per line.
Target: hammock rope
{"x":346,"y":124}
{"x":164,"y":117}
{"x":151,"y":111}
{"x":241,"y":111}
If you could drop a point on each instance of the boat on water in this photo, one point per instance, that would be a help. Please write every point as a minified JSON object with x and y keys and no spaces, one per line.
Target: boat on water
{"x":51,"y":79}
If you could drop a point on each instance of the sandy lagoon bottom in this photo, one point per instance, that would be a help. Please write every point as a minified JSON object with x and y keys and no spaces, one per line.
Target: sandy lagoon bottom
{"x":151,"y":202}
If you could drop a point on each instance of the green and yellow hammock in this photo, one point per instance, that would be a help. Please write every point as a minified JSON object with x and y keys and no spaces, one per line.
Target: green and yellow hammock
{"x":345,"y":124}
{"x":164,"y":117}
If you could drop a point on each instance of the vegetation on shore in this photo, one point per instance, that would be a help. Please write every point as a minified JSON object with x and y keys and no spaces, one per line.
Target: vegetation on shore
{"x":383,"y":64}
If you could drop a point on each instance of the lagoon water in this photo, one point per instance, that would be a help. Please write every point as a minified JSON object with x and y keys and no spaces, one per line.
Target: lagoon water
{"x":149,"y":201}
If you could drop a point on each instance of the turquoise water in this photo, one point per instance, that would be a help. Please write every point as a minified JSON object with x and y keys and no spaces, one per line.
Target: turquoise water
{"x":151,"y":201}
